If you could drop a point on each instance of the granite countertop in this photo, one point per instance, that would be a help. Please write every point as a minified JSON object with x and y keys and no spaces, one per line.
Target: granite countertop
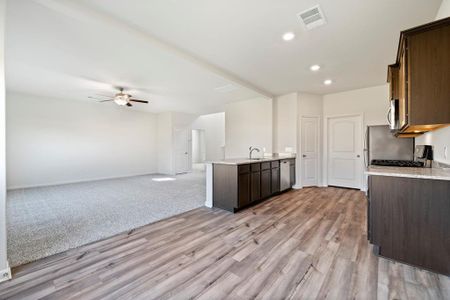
{"x":425,"y":173}
{"x":242,"y":161}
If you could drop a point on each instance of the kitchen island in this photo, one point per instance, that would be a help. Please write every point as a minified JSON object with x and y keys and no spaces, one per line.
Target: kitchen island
{"x":233,"y":184}
{"x":408,"y":215}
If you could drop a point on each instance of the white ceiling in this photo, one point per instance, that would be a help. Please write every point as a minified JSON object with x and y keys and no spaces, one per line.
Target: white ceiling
{"x":180,"y":51}
{"x":244,"y":37}
{"x":64,"y":52}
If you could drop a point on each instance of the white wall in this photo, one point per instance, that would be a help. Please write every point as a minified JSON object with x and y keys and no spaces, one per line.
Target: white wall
{"x":3,"y":256}
{"x":198,"y":146}
{"x":441,"y":137}
{"x":168,"y":123}
{"x":165,"y":143}
{"x":248,"y":123}
{"x":214,"y":127}
{"x":310,"y":104}
{"x":285,"y":123}
{"x":182,"y":120}
{"x":52,"y":141}
{"x":287,"y":112}
{"x":444,"y":10}
{"x":373,"y":102}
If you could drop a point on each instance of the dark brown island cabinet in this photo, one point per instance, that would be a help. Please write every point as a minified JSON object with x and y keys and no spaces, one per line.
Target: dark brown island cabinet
{"x":409,"y":221}
{"x":236,"y":186}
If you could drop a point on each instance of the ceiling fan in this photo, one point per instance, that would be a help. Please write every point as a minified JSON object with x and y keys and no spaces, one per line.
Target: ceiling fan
{"x":120,"y":98}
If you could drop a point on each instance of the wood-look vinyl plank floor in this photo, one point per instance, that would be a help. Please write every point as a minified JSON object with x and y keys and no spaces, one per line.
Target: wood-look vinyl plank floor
{"x":303,"y":244}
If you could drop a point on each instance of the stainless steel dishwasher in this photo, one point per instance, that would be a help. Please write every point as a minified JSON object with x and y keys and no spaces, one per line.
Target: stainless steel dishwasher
{"x":285,"y":176}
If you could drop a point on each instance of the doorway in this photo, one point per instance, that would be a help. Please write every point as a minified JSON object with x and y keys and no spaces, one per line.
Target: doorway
{"x":182,"y":150}
{"x":198,"y":149}
{"x":344,"y":151}
{"x":310,"y":151}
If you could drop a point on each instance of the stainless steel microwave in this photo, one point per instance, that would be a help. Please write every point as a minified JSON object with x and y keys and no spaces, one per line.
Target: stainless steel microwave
{"x":393,"y":116}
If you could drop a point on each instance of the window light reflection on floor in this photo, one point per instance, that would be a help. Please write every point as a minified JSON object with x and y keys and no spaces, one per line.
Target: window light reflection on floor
{"x":160,"y":179}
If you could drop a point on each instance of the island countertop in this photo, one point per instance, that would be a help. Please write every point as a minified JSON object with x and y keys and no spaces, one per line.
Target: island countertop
{"x":424,"y":173}
{"x":242,"y":161}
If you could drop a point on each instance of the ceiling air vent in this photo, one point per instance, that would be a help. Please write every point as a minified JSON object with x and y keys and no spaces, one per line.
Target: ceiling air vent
{"x":312,"y":18}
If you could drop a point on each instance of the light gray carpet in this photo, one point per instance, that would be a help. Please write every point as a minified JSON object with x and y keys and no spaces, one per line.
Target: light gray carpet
{"x":48,"y":220}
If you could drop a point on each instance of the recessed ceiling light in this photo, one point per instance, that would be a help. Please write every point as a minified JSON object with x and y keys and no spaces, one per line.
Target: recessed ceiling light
{"x":328,"y":82}
{"x":314,"y":68}
{"x":288,"y":36}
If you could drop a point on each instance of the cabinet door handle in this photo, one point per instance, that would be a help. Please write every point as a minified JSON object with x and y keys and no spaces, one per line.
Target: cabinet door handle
{"x":304,"y":155}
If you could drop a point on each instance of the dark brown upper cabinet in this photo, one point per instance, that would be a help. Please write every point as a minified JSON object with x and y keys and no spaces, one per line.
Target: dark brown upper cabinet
{"x":420,"y":78}
{"x":393,"y":72}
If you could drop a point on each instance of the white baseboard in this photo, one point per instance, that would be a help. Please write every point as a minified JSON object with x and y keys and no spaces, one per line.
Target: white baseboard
{"x":298,"y":187}
{"x":5,"y":274}
{"x":26,"y":186}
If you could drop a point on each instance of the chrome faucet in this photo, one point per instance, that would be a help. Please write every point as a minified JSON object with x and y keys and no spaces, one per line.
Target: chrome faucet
{"x":251,"y":149}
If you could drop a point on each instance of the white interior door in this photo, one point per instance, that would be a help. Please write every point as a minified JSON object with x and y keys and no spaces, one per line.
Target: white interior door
{"x":344,"y":145}
{"x":310,"y":151}
{"x":181,"y":150}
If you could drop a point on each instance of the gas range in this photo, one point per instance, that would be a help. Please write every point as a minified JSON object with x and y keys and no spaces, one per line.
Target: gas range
{"x":397,"y":163}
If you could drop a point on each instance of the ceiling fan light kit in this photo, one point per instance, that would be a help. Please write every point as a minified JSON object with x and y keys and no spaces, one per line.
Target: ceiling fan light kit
{"x":122,"y":99}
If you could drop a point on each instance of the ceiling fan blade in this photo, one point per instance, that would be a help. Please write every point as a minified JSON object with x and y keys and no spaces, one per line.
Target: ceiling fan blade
{"x":104,"y":96}
{"x":101,"y":100}
{"x":140,"y":101}
{"x":129,"y":104}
